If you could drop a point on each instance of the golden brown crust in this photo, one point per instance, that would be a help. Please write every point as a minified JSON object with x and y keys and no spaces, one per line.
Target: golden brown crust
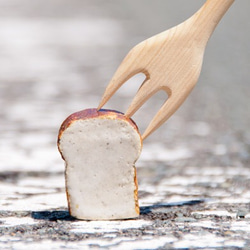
{"x":83,"y":114}
{"x":137,"y":208}
{"x":68,"y":197}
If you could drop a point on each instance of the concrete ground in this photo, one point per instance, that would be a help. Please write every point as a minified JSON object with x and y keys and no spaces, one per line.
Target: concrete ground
{"x":56,"y":57}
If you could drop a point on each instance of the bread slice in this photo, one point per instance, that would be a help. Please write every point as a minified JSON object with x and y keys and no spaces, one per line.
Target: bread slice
{"x":100,"y":149}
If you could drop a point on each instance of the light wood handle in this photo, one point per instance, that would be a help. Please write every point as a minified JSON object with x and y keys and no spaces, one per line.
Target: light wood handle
{"x":205,"y":20}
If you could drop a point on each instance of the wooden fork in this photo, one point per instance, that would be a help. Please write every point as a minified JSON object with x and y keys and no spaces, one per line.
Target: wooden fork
{"x":171,"y":61}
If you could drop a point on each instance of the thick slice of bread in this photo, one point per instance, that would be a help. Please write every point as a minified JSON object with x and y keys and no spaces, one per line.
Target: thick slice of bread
{"x":100,"y":149}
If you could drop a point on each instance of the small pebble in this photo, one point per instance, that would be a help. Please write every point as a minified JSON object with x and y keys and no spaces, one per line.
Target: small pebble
{"x":241,"y":214}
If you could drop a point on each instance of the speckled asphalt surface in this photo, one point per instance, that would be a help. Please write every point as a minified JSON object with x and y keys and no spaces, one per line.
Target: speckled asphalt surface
{"x":194,"y":175}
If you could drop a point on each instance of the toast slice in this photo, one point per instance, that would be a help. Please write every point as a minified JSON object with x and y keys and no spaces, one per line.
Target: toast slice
{"x":100,"y":149}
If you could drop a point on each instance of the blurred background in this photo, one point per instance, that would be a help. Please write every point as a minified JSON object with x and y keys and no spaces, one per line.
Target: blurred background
{"x":57,"y":57}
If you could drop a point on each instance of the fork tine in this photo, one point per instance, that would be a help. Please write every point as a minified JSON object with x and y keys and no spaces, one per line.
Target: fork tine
{"x":144,"y":93}
{"x":167,"y":109}
{"x":127,"y":69}
{"x":119,"y":78}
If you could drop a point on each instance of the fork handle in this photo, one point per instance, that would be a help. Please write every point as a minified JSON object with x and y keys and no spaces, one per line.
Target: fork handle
{"x":205,"y":20}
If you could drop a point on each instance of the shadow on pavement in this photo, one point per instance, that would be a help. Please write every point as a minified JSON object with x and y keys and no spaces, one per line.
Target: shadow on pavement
{"x":52,"y":215}
{"x":149,"y":209}
{"x":64,"y":215}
